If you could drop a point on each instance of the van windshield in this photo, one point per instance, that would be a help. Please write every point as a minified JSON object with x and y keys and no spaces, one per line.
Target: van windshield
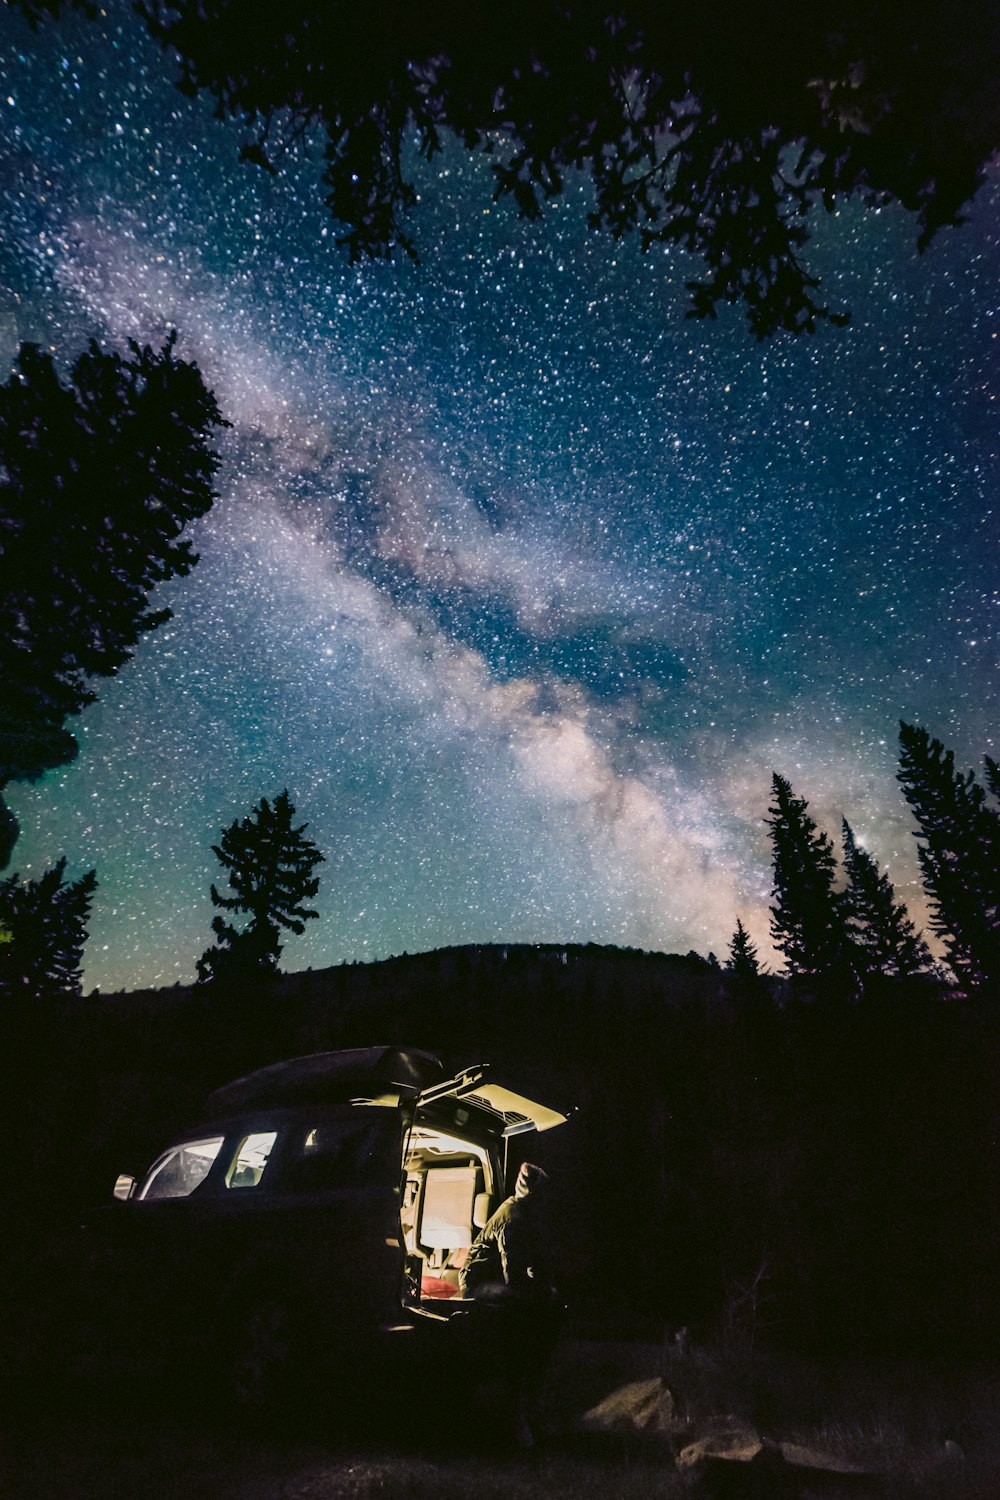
{"x":180,"y":1170}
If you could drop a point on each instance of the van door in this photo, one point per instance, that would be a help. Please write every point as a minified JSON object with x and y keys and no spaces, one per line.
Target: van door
{"x":455,"y":1175}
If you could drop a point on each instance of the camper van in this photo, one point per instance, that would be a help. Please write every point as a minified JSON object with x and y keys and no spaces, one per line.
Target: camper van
{"x":318,"y":1216}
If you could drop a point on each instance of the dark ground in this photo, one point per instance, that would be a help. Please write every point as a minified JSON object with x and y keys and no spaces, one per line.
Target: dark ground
{"x":917,"y":1436}
{"x":90,"y":1440}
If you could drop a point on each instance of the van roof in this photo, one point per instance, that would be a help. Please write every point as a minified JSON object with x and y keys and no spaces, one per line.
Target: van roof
{"x":326,"y":1077}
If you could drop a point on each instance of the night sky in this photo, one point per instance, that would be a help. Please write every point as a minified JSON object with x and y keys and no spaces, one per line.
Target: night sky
{"x":520,"y":582}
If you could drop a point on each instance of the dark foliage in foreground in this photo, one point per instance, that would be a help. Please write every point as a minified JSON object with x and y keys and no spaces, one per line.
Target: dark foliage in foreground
{"x":43,"y":927}
{"x":98,"y":478}
{"x":715,"y":131}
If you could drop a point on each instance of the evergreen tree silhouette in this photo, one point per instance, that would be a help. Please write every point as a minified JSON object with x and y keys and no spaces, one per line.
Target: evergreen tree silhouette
{"x":992,"y":775}
{"x":269,"y":866}
{"x":743,"y":977}
{"x":43,"y":927}
{"x":742,"y":962}
{"x":807,"y":919}
{"x":98,"y":478}
{"x":959,"y":852}
{"x":884,"y":938}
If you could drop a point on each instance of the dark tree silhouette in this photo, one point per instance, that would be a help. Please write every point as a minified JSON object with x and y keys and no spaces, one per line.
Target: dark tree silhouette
{"x":714,"y":131}
{"x":884,"y":938}
{"x":959,"y":853}
{"x":992,"y":775}
{"x":269,"y":866}
{"x":98,"y":478}
{"x":807,"y":919}
{"x":43,"y":927}
{"x":744,"y":978}
{"x":742,"y":962}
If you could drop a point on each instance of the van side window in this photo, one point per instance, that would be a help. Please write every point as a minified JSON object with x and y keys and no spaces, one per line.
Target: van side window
{"x":250,"y":1158}
{"x":338,"y":1154}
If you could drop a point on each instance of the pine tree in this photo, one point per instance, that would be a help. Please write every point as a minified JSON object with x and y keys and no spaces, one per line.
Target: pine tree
{"x":807,"y":919}
{"x":43,"y":927}
{"x":959,"y":853}
{"x":742,"y":960}
{"x":744,"y":978}
{"x":883,"y":936}
{"x":98,"y":478}
{"x":269,"y":866}
{"x":992,"y":775}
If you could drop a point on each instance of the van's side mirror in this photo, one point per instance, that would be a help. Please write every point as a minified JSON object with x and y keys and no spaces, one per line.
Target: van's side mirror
{"x":481,"y":1210}
{"x":124,"y":1187}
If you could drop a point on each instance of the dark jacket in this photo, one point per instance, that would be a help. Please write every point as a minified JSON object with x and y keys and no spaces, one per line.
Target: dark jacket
{"x":507,"y":1251}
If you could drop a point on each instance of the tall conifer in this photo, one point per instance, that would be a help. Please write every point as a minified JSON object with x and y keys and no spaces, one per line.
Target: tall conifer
{"x":807,"y":919}
{"x":959,"y":852}
{"x":883,"y":936}
{"x":742,"y":961}
{"x":744,"y":979}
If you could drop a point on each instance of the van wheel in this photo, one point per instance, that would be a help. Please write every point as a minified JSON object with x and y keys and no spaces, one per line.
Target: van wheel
{"x":262,"y":1362}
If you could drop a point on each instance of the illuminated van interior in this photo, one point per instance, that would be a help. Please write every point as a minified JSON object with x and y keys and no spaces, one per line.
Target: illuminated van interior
{"x":448,"y":1195}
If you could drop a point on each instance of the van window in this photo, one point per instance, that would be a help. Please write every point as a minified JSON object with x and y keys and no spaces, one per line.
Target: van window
{"x":180,"y":1170}
{"x":250,"y":1158}
{"x":337,"y":1154}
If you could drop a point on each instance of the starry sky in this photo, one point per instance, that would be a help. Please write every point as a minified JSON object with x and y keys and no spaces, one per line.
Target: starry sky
{"x":522,"y":583}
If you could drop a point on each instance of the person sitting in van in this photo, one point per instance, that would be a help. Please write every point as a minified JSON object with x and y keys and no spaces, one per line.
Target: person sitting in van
{"x":507,"y":1255}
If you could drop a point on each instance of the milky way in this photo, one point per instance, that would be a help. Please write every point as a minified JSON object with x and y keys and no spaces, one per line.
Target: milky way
{"x":522,"y":583}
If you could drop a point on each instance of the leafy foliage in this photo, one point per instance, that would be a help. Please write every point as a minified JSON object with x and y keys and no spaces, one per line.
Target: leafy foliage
{"x":807,"y":919}
{"x":269,"y":866}
{"x":43,"y":927}
{"x":98,"y":478}
{"x":716,"y":133}
{"x":883,"y":937}
{"x":959,"y":853}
